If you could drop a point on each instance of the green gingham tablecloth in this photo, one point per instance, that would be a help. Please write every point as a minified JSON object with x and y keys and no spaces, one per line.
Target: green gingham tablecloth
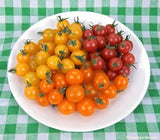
{"x":141,"y":16}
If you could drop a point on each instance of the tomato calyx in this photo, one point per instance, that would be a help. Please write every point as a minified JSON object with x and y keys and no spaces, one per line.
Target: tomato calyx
{"x":28,"y":84}
{"x":67,"y":30}
{"x":41,"y":94}
{"x":99,"y":28}
{"x":118,"y":91}
{"x":62,"y":90}
{"x":120,"y":33}
{"x":127,"y":37}
{"x":76,"y":20}
{"x":60,"y":19}
{"x":94,"y":61}
{"x":44,"y":48}
{"x":113,"y":24}
{"x":115,"y":64}
{"x":98,"y":100}
{"x":72,"y":42}
{"x":27,"y":41}
{"x":40,"y":33}
{"x":62,"y":54}
{"x":23,"y":52}
{"x":49,"y":79}
{"x":60,"y":65}
{"x":101,"y":85}
{"x":12,"y":70}
{"x":81,"y":58}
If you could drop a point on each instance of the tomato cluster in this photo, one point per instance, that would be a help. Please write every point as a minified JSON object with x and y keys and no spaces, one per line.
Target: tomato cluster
{"x":75,"y":68}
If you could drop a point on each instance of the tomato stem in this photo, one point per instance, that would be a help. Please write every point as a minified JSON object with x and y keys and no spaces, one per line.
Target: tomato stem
{"x":49,"y":79}
{"x":99,"y":100}
{"x":60,"y":19}
{"x":23,"y":52}
{"x":12,"y":70}
{"x":40,"y":33}
{"x":81,"y":58}
{"x":41,"y":94}
{"x":62,"y":90}
{"x":44,"y":48}
{"x":101,"y":85}
{"x":113,"y":24}
{"x":28,"y":84}
{"x":28,"y":41}
{"x":72,"y":42}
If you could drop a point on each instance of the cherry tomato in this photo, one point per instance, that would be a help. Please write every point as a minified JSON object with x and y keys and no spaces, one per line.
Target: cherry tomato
{"x":100,"y":30}
{"x":124,"y":47}
{"x":101,"y":101}
{"x":61,"y":51}
{"x":61,"y":38}
{"x":50,"y":47}
{"x":114,"y":39}
{"x":125,"y":70}
{"x":86,"y":107}
{"x":120,"y":82}
{"x":75,"y":32}
{"x":111,"y":74}
{"x":33,"y":65}
{"x":75,"y":93}
{"x":54,"y":62}
{"x":59,"y":80}
{"x":62,"y":23}
{"x":90,"y":45}
{"x":101,"y":42}
{"x":31,"y":92}
{"x":128,"y":58}
{"x":23,"y":57}
{"x":97,"y":62}
{"x":129,"y":41}
{"x":88,"y":74}
{"x":55,"y":96}
{"x":110,"y":28}
{"x":46,"y":85}
{"x":110,"y":92}
{"x":32,"y":78}
{"x":76,"y":23}
{"x":41,"y":71}
{"x":67,"y":65}
{"x":105,"y":67}
{"x":87,"y":33}
{"x":48,"y":34}
{"x":93,"y":54}
{"x":20,"y":69}
{"x":74,"y":77}
{"x":74,"y":44}
{"x":42,"y":99}
{"x":78,"y":57}
{"x":101,"y":81}
{"x":115,"y":64}
{"x":108,"y":53}
{"x":30,"y":47}
{"x":90,"y":91}
{"x":66,"y":107}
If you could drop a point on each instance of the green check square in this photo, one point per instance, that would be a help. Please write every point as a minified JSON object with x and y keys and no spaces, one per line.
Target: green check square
{"x":42,"y":11}
{"x":105,"y":10}
{"x":121,"y":11}
{"x":153,"y":11}
{"x":9,"y":11}
{"x":156,"y":108}
{"x":155,"y":40}
{"x":57,"y":10}
{"x":141,"y":127}
{"x":13,"y":110}
{"x":120,"y":127}
{"x":137,"y":27}
{"x":32,"y":128}
{"x":153,"y":27}
{"x":26,"y":11}
{"x":137,"y":11}
{"x":3,"y":65}
{"x":91,"y":9}
{"x":9,"y":27}
{"x":139,"y":109}
{"x":25,"y":26}
{"x":10,"y":128}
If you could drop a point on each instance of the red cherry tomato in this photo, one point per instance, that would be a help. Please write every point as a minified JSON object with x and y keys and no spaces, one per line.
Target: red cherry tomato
{"x":124,"y":47}
{"x":115,"y":64}
{"x":128,"y":58}
{"x":110,"y":28}
{"x":100,"y":30}
{"x":108,"y":53}
{"x":101,"y":42}
{"x":114,"y":39}
{"x":87,"y":33}
{"x":111,"y":74}
{"x":97,"y":62}
{"x":90,"y":45}
{"x":125,"y":70}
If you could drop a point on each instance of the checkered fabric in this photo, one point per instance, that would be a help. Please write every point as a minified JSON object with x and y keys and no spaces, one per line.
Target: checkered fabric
{"x":141,"y":16}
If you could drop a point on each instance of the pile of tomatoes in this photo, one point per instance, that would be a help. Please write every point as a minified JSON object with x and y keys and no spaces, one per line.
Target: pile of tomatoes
{"x":74,"y":68}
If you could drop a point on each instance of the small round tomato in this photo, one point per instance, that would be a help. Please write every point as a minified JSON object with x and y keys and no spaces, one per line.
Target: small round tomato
{"x":97,"y":62}
{"x":78,"y":57}
{"x":86,"y":107}
{"x":75,"y":32}
{"x":66,"y":107}
{"x":33,"y":65}
{"x":125,"y":70}
{"x":59,"y":80}
{"x":115,"y":64}
{"x":42,"y":99}
{"x":101,"y":81}
{"x":46,"y":85}
{"x":61,"y":51}
{"x":101,"y":42}
{"x":129,"y":42}
{"x":101,"y":101}
{"x":42,"y":56}
{"x":54,"y":62}
{"x":124,"y":47}
{"x":62,"y":23}
{"x":88,"y":74}
{"x":100,"y":30}
{"x":67,"y":65}
{"x":41,"y":71}
{"x":51,"y":47}
{"x":111,"y":91}
{"x":108,"y":53}
{"x":90,"y":45}
{"x":111,"y":28}
{"x":75,"y":93}
{"x":55,"y":96}
{"x":90,"y":91}
{"x":111,"y":74}
{"x":23,"y":57}
{"x":74,"y":44}
{"x":87,"y":33}
{"x":121,"y":82}
{"x":128,"y":58}
{"x":30,"y":47}
{"x":61,"y":38}
{"x":48,"y":34}
{"x":76,"y":22}
{"x":20,"y":69}
{"x":74,"y":77}
{"x":32,"y":78}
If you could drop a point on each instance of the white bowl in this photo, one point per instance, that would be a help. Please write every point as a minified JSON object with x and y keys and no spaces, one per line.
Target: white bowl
{"x":118,"y":108}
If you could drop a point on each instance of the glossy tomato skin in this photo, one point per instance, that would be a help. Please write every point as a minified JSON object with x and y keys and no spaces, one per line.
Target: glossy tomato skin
{"x":90,"y":45}
{"x":110,"y":29}
{"x":88,"y":74}
{"x":93,"y":54}
{"x":128,"y":58}
{"x":42,"y":99}
{"x":108,"y":53}
{"x":124,"y":47}
{"x":87,"y":33}
{"x":125,"y":70}
{"x":110,"y":92}
{"x":86,"y":107}
{"x":100,"y":30}
{"x":101,"y":42}
{"x":111,"y":74}
{"x":114,"y":39}
{"x":31,"y":92}
{"x":97,"y":62}
{"x":55,"y":97}
{"x":46,"y":87}
{"x":115,"y":64}
{"x":120,"y":82}
{"x":101,"y":101}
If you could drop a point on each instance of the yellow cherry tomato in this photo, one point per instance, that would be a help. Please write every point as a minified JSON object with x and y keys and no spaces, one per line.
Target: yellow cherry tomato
{"x":74,"y":44}
{"x":76,"y":22}
{"x":62,"y":51}
{"x":41,"y":71}
{"x":48,"y":34}
{"x":42,"y":56}
{"x":54,"y":62}
{"x":67,"y":65}
{"x":30,"y":47}
{"x":23,"y":57}
{"x":62,"y":23}
{"x":78,"y":57}
{"x":32,"y":78}
{"x":20,"y":69}
{"x":61,"y":38}
{"x":33,"y":65}
{"x":75,"y":32}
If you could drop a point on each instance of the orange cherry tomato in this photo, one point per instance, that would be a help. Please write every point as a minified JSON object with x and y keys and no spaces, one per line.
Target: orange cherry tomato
{"x":23,"y":57}
{"x":110,"y":91}
{"x":88,"y":74}
{"x":33,"y":65}
{"x":66,"y":107}
{"x":75,"y":93}
{"x":86,"y":107}
{"x":42,"y":99}
{"x":74,"y":77}
{"x":31,"y":92}
{"x":61,"y":38}
{"x":46,"y":86}
{"x":101,"y":101}
{"x":30,"y":47}
{"x":121,"y":82}
{"x":49,"y":34}
{"x":62,"y":23}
